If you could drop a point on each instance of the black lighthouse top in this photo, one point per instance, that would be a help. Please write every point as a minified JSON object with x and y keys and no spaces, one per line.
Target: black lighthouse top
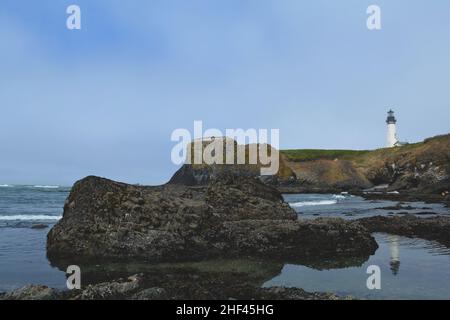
{"x":391,"y":119}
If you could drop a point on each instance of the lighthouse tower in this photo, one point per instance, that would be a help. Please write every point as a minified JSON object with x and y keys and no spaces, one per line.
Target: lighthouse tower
{"x":391,"y":130}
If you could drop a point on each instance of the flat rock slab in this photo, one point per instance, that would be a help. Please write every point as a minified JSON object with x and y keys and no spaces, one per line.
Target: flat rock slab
{"x":435,"y":228}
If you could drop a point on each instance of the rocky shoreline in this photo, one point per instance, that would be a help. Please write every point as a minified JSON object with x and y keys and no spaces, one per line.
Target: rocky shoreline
{"x":189,"y":287}
{"x":230,"y":216}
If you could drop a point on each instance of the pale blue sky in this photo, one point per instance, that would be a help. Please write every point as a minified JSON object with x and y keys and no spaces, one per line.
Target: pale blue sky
{"x":105,"y":100}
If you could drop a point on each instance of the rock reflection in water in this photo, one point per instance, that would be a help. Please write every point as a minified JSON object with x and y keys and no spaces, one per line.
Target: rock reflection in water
{"x":211,"y":279}
{"x":424,"y":272}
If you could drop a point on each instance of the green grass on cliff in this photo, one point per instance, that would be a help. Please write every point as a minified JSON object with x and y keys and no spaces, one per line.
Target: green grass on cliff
{"x":438,"y":144}
{"x":316,"y":154}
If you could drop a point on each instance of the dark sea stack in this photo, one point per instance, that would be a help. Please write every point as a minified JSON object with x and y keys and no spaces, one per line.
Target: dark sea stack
{"x":232,"y":215}
{"x":434,"y":228}
{"x":39,"y":226}
{"x":198,"y":174}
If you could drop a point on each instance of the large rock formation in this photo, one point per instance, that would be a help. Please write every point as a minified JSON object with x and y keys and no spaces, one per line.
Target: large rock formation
{"x":230,"y":216}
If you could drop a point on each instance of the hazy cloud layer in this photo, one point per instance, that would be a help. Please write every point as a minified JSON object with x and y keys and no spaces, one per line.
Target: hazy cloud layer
{"x":104,"y":100}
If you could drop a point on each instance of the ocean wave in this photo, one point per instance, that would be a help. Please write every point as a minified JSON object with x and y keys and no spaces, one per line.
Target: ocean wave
{"x":339,"y":197}
{"x":23,"y":217}
{"x":5,"y":186}
{"x":46,"y":187}
{"x":313,"y":203}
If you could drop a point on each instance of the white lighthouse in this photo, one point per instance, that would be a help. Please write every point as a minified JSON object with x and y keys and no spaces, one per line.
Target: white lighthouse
{"x":392,"y":139}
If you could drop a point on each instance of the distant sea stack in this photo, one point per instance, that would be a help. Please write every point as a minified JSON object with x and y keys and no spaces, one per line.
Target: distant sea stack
{"x":197,"y":174}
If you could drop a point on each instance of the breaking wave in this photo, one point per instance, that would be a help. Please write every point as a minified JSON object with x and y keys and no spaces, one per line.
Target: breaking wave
{"x":46,"y":187}
{"x":313,"y":203}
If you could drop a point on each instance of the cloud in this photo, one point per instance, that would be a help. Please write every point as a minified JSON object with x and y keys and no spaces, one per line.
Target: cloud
{"x":106,"y":99}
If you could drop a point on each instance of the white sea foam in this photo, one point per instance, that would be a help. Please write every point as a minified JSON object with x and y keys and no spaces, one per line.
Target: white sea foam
{"x":23,"y":217}
{"x":339,"y":197}
{"x":5,"y":186}
{"x":46,"y":187}
{"x":313,"y":203}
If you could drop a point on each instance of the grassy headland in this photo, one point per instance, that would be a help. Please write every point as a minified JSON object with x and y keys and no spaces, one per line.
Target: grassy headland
{"x":423,"y":165}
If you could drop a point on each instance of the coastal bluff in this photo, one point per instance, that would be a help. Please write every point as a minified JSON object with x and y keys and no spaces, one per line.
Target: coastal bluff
{"x":230,"y":216}
{"x":422,"y":169}
{"x":416,"y":171}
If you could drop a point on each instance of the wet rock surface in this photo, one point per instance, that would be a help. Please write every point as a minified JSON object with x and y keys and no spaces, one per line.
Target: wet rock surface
{"x":434,"y":228}
{"x":409,"y":196}
{"x":32,"y":292}
{"x":39,"y":226}
{"x":171,"y":287}
{"x":232,"y":215}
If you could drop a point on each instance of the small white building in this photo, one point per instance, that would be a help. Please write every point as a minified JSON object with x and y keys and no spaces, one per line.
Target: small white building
{"x":392,"y":139}
{"x":391,"y":130}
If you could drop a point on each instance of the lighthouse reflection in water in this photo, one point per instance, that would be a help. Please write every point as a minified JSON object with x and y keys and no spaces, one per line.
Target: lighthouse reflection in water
{"x":395,"y":253}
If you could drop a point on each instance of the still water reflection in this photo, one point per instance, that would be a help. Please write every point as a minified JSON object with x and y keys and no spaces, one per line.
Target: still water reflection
{"x":410,"y":269}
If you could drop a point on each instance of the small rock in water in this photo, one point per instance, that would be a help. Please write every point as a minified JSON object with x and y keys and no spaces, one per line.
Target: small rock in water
{"x":425,"y":213}
{"x":39,"y":226}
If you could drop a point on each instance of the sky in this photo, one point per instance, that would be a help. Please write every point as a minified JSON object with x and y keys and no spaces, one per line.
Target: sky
{"x":105,"y":99}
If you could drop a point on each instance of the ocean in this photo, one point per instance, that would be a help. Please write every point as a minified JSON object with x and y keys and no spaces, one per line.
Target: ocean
{"x":22,"y":249}
{"x":411,"y":268}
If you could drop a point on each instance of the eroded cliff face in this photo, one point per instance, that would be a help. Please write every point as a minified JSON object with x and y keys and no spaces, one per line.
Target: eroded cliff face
{"x":416,"y":168}
{"x":421,"y":168}
{"x":323,"y":175}
{"x":231,"y":216}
